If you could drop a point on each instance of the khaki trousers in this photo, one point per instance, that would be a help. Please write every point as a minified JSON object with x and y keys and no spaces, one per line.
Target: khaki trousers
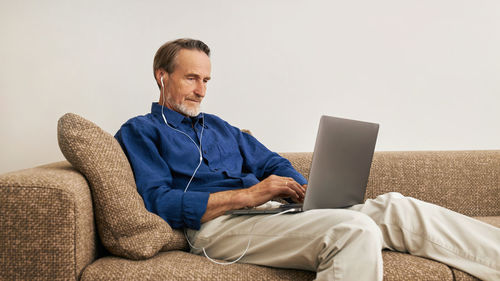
{"x":346,"y":244}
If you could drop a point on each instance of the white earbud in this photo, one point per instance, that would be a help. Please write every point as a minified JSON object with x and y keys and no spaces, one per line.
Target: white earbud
{"x":162,"y":82}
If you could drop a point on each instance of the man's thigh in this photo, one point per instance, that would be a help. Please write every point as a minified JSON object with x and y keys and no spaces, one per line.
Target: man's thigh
{"x":287,"y":241}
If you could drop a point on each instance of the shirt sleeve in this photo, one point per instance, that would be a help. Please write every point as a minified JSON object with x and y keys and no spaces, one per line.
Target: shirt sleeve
{"x":154,"y":179}
{"x":262,"y":162}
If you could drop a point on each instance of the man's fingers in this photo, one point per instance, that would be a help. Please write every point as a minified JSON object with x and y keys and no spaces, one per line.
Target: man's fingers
{"x":289,"y":186}
{"x":299,"y":187}
{"x":296,"y":188}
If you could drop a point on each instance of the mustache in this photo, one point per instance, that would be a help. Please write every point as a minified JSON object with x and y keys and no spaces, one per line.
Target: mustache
{"x":194,"y":98}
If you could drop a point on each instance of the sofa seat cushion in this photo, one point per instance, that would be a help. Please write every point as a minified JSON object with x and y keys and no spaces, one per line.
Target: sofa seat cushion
{"x":402,"y":266}
{"x":125,"y":226}
{"x":179,"y":265}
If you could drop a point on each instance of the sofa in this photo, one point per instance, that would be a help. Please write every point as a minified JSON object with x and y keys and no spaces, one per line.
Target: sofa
{"x":66,"y":221}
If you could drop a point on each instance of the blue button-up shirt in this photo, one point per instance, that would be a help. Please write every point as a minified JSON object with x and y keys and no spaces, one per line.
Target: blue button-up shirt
{"x":163,"y":161}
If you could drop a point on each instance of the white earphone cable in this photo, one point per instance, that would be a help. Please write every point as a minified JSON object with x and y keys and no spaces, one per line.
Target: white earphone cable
{"x":248,"y":244}
{"x":201,"y":135}
{"x":199,"y":147}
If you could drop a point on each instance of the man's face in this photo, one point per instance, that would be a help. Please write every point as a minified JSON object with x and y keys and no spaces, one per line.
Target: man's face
{"x":186,"y":86}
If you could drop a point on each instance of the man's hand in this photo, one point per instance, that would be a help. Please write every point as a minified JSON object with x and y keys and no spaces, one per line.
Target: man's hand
{"x":304,"y":187}
{"x":275,"y":186}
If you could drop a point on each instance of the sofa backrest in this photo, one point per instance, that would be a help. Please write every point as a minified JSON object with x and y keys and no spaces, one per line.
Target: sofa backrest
{"x":467,"y":182}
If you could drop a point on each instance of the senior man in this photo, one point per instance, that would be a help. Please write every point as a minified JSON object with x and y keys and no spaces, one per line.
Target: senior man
{"x":192,"y":167}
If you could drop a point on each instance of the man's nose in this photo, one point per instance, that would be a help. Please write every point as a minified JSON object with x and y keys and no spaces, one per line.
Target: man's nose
{"x":201,"y":89}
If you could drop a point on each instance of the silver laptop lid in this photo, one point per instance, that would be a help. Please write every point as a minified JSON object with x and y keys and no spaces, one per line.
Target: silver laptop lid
{"x":341,"y":163}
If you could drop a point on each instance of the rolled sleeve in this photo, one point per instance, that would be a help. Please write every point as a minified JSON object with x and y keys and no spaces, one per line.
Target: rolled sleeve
{"x":155,"y":182}
{"x":194,"y":207}
{"x":180,"y":209}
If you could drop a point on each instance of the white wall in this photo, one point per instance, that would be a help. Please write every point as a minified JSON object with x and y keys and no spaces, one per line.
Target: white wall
{"x":428,"y":71}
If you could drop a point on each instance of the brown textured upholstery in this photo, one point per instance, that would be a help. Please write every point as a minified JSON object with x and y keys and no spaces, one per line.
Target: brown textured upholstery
{"x":178,"y":265}
{"x":402,"y":267}
{"x":439,"y":177}
{"x":462,"y":276}
{"x":125,"y":227}
{"x":168,"y":266}
{"x":171,"y":266}
{"x":46,"y":224}
{"x":47,"y":220}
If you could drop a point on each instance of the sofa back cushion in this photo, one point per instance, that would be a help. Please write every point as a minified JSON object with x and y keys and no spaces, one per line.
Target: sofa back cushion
{"x":467,"y":182}
{"x":125,"y":226}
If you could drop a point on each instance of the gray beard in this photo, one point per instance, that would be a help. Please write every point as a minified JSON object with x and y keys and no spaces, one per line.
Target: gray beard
{"x":191,"y":112}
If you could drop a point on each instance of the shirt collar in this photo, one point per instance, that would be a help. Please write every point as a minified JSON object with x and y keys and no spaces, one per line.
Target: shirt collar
{"x":174,"y":118}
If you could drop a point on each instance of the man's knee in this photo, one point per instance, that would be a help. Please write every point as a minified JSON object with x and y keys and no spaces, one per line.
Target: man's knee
{"x":390,"y":196}
{"x":359,"y":226}
{"x":398,"y":210}
{"x":357,"y":240}
{"x":396,"y":201}
{"x":367,"y":227}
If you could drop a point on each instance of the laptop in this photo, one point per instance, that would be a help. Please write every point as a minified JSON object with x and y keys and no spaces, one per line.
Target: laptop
{"x":339,"y":171}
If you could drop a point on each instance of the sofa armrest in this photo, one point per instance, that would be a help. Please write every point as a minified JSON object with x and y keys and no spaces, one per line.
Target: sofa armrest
{"x":47,"y":229}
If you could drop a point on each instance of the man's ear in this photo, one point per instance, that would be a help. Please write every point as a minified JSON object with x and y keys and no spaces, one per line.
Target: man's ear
{"x":159,"y":73}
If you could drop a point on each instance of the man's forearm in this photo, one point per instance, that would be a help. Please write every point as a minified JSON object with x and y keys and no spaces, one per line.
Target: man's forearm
{"x":272,"y":186}
{"x":220,"y":202}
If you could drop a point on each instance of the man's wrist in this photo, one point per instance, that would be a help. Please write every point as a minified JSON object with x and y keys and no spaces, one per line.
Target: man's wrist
{"x":242,"y":199}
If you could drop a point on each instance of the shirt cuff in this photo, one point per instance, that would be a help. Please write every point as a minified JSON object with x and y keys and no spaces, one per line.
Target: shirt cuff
{"x":194,"y":206}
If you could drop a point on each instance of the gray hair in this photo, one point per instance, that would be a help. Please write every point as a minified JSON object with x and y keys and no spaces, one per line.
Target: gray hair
{"x":165,"y":57}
